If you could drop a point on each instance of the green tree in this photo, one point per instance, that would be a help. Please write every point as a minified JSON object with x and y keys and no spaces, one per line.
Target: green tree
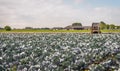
{"x":102,"y":25}
{"x":112,"y":26}
{"x":117,"y":27}
{"x":107,"y":26}
{"x":77,"y":24}
{"x":7,"y":28}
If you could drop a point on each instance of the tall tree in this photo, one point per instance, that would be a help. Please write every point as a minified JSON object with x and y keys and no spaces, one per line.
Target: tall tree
{"x":102,"y":25}
{"x":77,"y":24}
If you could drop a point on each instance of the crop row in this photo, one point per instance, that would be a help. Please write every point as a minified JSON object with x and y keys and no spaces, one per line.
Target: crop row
{"x":60,"y":52}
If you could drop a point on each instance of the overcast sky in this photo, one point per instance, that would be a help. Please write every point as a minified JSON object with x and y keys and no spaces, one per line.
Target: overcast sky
{"x":52,"y":13}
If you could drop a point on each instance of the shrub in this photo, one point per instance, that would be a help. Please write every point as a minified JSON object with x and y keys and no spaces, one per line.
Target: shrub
{"x":7,"y":28}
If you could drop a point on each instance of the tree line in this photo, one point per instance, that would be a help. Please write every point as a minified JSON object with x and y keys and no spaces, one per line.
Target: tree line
{"x":104,"y":26}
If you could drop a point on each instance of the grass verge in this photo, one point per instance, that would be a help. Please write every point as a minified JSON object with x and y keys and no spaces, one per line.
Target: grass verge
{"x":56,"y":31}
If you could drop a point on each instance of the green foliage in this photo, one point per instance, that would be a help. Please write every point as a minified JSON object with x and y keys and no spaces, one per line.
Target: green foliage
{"x":7,"y":28}
{"x":14,"y":68}
{"x":112,"y":26}
{"x":107,"y":26}
{"x":103,"y":22}
{"x":23,"y":62}
{"x":77,"y":24}
{"x":102,"y":25}
{"x":99,"y":68}
{"x":117,"y":56}
{"x":118,"y":27}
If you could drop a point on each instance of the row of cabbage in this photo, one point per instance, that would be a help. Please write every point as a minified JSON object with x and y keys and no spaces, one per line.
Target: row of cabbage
{"x":60,"y":52}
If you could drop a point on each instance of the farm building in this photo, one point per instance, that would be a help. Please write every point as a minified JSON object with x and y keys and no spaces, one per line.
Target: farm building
{"x":95,"y":28}
{"x":70,"y":27}
{"x":77,"y":27}
{"x":87,"y":27}
{"x":1,"y":28}
{"x":57,"y":28}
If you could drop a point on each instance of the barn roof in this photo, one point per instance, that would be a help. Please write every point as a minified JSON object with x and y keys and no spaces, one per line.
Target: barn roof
{"x":95,"y":24}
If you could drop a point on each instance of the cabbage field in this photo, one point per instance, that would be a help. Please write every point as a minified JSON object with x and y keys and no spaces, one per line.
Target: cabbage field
{"x":59,"y":52}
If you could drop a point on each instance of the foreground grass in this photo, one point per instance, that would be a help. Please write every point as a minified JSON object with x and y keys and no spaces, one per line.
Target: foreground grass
{"x":56,"y":31}
{"x":46,"y":31}
{"x":110,"y":31}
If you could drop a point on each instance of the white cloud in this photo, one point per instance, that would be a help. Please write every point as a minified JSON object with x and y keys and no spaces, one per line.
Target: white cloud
{"x":110,"y":15}
{"x":78,"y":1}
{"x":50,"y":13}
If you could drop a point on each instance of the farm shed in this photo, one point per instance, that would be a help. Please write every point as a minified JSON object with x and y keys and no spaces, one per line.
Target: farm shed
{"x":95,"y":28}
{"x":70,"y":27}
